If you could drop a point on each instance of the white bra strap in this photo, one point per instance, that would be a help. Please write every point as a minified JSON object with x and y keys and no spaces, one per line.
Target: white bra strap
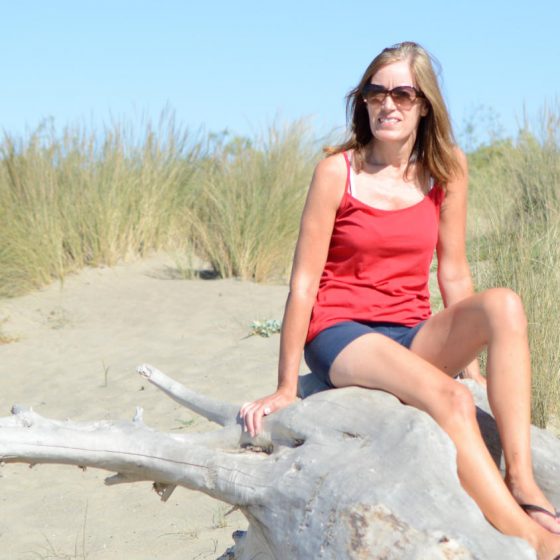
{"x":351,"y":179}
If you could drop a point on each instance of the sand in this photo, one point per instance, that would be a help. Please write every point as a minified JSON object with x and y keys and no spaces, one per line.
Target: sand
{"x":78,"y":346}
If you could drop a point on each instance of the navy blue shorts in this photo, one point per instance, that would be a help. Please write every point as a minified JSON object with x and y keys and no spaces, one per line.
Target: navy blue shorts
{"x":321,"y":352}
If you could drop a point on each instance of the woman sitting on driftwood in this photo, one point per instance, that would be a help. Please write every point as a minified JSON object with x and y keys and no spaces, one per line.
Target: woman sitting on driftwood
{"x":359,"y":304}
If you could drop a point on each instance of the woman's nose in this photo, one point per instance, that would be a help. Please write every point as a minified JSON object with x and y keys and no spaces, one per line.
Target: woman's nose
{"x":388,"y":102}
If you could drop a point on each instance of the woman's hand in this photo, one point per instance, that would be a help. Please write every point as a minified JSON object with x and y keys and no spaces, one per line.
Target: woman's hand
{"x":252,"y":412}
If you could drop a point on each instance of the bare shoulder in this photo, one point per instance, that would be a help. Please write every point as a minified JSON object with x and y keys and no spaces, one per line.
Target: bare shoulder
{"x":329,"y":179}
{"x":461,"y":158}
{"x":332,"y":168}
{"x":460,"y":180}
{"x":459,"y":154}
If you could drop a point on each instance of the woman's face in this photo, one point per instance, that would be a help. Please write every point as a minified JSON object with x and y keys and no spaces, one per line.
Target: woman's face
{"x":390,"y":120}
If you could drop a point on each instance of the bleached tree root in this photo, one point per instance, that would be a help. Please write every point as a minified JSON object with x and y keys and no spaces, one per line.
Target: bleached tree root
{"x":348,"y":473}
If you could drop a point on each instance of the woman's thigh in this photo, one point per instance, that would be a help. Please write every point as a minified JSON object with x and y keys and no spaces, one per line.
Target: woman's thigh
{"x":446,"y":343}
{"x":378,"y":362}
{"x":452,"y":338}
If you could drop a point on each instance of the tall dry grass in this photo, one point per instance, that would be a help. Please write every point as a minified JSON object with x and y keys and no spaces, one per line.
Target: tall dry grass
{"x":515,"y":241}
{"x":81,"y":198}
{"x":75,"y":199}
{"x":247,"y":202}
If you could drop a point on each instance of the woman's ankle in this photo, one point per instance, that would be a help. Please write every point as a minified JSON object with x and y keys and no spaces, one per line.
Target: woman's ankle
{"x":521,"y":483}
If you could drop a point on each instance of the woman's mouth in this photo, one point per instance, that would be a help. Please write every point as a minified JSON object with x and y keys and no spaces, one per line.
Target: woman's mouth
{"x":387,"y":120}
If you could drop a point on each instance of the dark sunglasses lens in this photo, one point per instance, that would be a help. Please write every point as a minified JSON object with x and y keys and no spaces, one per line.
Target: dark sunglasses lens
{"x":403,"y":95}
{"x":373,"y":93}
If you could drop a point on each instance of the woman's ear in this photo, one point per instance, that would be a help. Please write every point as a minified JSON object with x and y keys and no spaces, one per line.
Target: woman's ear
{"x":425,"y":109}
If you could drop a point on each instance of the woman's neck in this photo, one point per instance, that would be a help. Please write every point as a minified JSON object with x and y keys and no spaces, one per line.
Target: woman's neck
{"x":389,"y":154}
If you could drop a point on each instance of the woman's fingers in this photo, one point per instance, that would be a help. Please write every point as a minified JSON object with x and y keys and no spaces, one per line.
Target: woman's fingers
{"x":254,"y":423}
{"x":246,"y":415}
{"x":257,"y":422}
{"x":252,"y":414}
{"x":244,"y":409}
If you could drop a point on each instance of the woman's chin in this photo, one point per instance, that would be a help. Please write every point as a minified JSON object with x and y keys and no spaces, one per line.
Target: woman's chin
{"x":387,"y":134}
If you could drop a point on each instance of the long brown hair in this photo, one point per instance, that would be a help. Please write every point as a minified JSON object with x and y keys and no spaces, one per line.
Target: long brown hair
{"x":434,"y":146}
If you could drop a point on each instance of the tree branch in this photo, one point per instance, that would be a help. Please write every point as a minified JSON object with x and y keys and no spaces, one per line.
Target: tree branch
{"x":217,"y":411}
{"x":136,"y":453}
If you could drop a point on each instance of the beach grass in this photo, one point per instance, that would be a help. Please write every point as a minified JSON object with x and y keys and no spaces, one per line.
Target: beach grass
{"x":514,"y":240}
{"x":247,"y":202}
{"x":81,"y":198}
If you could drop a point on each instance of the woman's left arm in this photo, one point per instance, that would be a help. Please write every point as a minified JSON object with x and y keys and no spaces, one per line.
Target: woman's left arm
{"x":454,"y":276}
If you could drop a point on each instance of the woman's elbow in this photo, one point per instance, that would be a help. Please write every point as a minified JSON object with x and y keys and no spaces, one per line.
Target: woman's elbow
{"x":302,"y":289}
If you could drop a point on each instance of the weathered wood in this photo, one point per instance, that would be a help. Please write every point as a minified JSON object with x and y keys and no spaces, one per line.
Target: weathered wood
{"x":214,"y":410}
{"x":348,"y":473}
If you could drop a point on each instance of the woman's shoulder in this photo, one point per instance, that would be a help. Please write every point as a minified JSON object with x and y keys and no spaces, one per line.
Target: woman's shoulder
{"x":457,"y":172}
{"x":332,"y":167}
{"x":461,"y":157}
{"x":460,"y":176}
{"x":329,"y":179}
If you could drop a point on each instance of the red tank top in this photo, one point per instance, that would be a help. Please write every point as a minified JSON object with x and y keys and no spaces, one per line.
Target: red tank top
{"x":378,"y":263}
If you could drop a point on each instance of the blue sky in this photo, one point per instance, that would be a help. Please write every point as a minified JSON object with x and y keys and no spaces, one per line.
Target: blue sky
{"x":240,"y":65}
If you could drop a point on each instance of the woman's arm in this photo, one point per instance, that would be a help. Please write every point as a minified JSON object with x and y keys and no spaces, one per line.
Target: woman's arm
{"x":454,"y":276}
{"x":325,"y":192}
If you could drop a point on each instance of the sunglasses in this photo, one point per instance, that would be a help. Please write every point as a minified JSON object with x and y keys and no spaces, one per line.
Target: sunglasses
{"x":402,"y":96}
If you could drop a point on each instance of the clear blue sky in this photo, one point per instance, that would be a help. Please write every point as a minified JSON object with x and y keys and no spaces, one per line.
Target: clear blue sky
{"x":237,"y":65}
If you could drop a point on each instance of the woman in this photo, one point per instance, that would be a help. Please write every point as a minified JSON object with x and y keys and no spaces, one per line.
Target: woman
{"x":377,"y":208}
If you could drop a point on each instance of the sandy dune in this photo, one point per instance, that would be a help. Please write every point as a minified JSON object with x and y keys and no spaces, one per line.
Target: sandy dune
{"x":79,"y":344}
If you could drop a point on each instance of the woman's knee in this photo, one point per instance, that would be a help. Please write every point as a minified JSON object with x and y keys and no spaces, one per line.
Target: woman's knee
{"x":457,"y":405}
{"x":504,"y":309}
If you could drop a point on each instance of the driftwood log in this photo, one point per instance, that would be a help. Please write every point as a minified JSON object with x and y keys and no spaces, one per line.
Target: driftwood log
{"x":348,"y":473}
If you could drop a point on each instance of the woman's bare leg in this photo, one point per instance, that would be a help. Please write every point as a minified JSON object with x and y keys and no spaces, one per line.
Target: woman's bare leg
{"x":377,"y":362}
{"x":494,"y":318}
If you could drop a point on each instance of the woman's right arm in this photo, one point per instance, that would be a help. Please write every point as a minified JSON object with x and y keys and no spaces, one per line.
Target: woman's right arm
{"x":323,"y":199}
